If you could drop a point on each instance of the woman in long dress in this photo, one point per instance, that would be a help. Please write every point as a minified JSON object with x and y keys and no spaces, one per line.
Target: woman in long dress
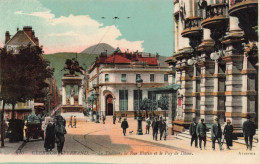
{"x":49,"y":142}
{"x":228,"y":134}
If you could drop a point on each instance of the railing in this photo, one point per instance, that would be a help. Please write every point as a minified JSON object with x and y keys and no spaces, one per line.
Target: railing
{"x":192,"y":22}
{"x":233,"y":2}
{"x":220,"y":9}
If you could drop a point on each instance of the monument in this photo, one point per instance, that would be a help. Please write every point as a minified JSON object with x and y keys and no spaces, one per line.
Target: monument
{"x":75,"y":80}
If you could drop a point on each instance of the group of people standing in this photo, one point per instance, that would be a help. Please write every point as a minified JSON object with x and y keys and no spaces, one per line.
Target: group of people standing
{"x":74,"y":121}
{"x":158,"y":125}
{"x":199,"y":130}
{"x":55,"y":132}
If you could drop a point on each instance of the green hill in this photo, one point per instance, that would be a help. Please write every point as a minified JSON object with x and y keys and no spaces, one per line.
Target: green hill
{"x":58,"y":62}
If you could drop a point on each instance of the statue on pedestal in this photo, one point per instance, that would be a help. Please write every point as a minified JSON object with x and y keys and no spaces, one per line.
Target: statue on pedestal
{"x":73,"y":66}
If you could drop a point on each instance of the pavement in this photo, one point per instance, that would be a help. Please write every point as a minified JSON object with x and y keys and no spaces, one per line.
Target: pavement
{"x":108,"y":139}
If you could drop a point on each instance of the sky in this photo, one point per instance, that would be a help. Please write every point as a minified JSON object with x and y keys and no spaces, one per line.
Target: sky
{"x":74,"y":25}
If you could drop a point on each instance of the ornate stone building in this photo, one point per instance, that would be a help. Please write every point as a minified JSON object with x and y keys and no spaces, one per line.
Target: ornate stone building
{"x":215,"y":60}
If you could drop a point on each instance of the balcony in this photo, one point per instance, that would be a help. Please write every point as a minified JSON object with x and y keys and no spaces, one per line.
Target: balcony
{"x":216,"y":16}
{"x":247,"y":13}
{"x":192,"y":28}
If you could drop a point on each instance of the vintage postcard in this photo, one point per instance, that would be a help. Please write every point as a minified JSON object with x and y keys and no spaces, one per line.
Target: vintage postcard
{"x":129,"y":81}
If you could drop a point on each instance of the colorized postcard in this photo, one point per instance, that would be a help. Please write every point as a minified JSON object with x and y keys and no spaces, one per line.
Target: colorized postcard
{"x":129,"y":81}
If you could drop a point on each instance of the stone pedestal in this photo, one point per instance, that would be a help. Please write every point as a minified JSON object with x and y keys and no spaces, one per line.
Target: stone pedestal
{"x":74,"y":105}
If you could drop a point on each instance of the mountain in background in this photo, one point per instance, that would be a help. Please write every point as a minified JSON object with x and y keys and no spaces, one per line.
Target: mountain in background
{"x":98,"y":48}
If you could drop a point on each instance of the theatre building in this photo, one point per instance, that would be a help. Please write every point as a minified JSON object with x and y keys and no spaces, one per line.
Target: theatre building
{"x":114,"y":78}
{"x":216,"y":60}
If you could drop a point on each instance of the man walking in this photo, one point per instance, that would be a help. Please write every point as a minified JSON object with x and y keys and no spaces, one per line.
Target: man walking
{"x":114,"y":119}
{"x":155,"y":124}
{"x":124,"y":126}
{"x":74,"y":122}
{"x":148,"y":124}
{"x":193,"y":134}
{"x":216,"y":134}
{"x":201,"y":133}
{"x":228,"y":134}
{"x":103,"y":119}
{"x":163,"y":130}
{"x":249,"y":131}
{"x":60,"y":131}
{"x":70,"y":122}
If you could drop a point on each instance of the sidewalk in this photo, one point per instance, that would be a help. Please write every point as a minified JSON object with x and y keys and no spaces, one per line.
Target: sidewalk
{"x":10,"y":148}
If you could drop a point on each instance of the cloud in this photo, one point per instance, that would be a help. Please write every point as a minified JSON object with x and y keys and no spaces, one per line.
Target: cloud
{"x":67,"y":33}
{"x":45,"y":14}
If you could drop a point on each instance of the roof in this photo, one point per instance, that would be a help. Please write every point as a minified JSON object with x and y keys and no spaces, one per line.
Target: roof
{"x":117,"y":59}
{"x":148,"y":60}
{"x":20,"y":38}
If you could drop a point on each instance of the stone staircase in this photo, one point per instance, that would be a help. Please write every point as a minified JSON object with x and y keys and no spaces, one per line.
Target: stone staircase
{"x":79,"y":116}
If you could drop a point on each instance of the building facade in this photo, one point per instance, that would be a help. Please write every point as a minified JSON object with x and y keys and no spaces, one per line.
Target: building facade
{"x":215,"y":60}
{"x":114,"y":78}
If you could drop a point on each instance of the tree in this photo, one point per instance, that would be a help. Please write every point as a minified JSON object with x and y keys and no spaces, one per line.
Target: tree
{"x":23,"y":75}
{"x":163,"y":103}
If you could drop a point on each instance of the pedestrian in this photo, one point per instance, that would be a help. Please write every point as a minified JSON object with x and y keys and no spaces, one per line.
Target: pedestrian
{"x":119,"y":120}
{"x":70,"y":122}
{"x":160,"y":124}
{"x":228,"y":134}
{"x":216,"y":134}
{"x":103,"y":119}
{"x":163,"y":130}
{"x":148,"y":124}
{"x":60,"y":131}
{"x":248,"y":132}
{"x":155,"y":125}
{"x":124,"y":126}
{"x":114,"y":119}
{"x":49,"y":142}
{"x":74,"y":122}
{"x":201,"y":133}
{"x":193,"y":134}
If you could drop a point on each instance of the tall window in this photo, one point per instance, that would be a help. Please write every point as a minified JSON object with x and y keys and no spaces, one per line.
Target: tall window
{"x":165,"y":77}
{"x":151,"y":96}
{"x":123,"y":78}
{"x":123,"y":100}
{"x":151,"y":77}
{"x":106,"y":77}
{"x":136,"y":97}
{"x":137,"y":75}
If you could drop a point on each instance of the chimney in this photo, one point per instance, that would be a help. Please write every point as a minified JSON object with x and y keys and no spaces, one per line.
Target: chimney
{"x":7,"y":36}
{"x":157,"y":56}
{"x":33,"y":36}
{"x":36,"y":41}
{"x":28,"y":30}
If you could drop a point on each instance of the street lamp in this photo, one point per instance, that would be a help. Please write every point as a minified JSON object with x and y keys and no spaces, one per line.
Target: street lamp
{"x":95,"y":94}
{"x":139,"y":83}
{"x":91,"y":100}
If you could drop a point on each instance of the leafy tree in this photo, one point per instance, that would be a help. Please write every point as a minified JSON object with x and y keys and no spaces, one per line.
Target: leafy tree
{"x":163,"y":103}
{"x":23,"y":75}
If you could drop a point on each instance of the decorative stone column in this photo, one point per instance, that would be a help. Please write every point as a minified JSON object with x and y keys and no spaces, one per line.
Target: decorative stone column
{"x":64,"y":98}
{"x":80,"y":97}
{"x":72,"y":92}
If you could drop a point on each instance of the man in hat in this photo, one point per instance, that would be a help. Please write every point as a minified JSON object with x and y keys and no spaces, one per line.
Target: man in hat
{"x":249,"y":131}
{"x":70,"y":122}
{"x":163,"y":130}
{"x":193,"y":134}
{"x":124,"y":126}
{"x":114,"y":119}
{"x":228,"y":134}
{"x":74,"y":122}
{"x":155,"y":125}
{"x":201,"y":132}
{"x":216,"y":134}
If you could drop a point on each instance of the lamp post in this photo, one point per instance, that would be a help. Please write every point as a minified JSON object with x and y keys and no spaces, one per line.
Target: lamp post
{"x":91,"y":100}
{"x":139,"y":83}
{"x":96,"y":98}
{"x":2,"y":119}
